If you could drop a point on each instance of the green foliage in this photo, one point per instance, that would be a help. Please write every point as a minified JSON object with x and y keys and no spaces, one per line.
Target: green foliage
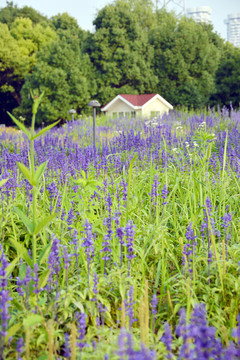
{"x":33,"y":176}
{"x":228,"y":78}
{"x":63,"y":73}
{"x":185,"y":60}
{"x":134,"y":49}
{"x":19,"y":44}
{"x":9,"y":13}
{"x":120,"y":51}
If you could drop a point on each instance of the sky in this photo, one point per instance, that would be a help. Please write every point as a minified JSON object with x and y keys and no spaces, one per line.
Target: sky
{"x":85,"y":10}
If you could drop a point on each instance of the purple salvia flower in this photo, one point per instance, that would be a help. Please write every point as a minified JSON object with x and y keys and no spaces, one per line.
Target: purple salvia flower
{"x":19,"y":287}
{"x":120,"y":235}
{"x":167,"y":340}
{"x":75,"y":243}
{"x":121,"y":344}
{"x":88,"y":245}
{"x":67,"y":349}
{"x":129,"y":307}
{"x":182,"y":330}
{"x":164,"y":194}
{"x":154,"y":304}
{"x":4,"y":299}
{"x":236,"y":334}
{"x":26,"y":283}
{"x":54,"y":264}
{"x":95,"y":285}
{"x":107,"y":238}
{"x":81,"y":329}
{"x":95,"y":292}
{"x":129,"y":231}
{"x":102,"y":310}
{"x":190,"y":248}
{"x":70,"y":218}
{"x":206,"y":346}
{"x":19,"y":348}
{"x":66,"y":262}
{"x":154,"y":191}
{"x":124,"y":191}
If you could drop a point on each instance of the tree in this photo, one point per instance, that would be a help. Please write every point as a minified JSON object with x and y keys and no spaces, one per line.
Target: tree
{"x":18,"y":47}
{"x":63,"y":73}
{"x":9,"y":13}
{"x":119,"y":49}
{"x":228,"y":78}
{"x":185,"y":60}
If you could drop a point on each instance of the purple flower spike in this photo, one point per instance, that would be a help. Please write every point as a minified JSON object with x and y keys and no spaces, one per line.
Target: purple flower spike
{"x":154,"y":191}
{"x":129,"y":230}
{"x":154,"y":304}
{"x":129,"y":307}
{"x":167,"y":340}
{"x":88,"y":245}
{"x":19,"y":348}
{"x":190,"y":248}
{"x":81,"y":329}
{"x":4,"y":299}
{"x":67,"y":350}
{"x":164,"y":194}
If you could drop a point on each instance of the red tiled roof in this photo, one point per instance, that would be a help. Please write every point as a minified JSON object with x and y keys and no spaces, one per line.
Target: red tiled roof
{"x":137,"y":100}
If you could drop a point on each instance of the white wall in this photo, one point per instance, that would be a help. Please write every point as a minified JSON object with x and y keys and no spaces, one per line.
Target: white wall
{"x":155,"y":105}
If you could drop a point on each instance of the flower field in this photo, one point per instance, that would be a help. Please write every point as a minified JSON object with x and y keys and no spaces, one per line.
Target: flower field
{"x":130,"y":250}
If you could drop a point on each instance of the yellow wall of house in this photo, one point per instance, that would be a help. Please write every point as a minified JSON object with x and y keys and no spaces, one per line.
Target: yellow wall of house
{"x":119,"y":107}
{"x":155,"y":106}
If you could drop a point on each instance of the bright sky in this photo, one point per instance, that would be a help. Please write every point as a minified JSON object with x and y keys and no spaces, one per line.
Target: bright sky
{"x":85,"y":10}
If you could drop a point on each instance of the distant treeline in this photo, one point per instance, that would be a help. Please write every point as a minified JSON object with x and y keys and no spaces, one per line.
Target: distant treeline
{"x":133,"y":49}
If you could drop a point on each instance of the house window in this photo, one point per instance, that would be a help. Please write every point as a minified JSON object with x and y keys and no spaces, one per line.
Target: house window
{"x":133,"y":114}
{"x":120,"y":115}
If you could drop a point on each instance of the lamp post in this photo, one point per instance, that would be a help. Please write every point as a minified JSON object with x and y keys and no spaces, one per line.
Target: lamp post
{"x":72,"y":112}
{"x":94,"y":104}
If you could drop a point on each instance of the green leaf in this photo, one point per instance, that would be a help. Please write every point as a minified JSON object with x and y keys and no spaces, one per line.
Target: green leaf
{"x":44,"y":278}
{"x":44,"y":222}
{"x":20,"y":125}
{"x":12,"y":331}
{"x":43,"y":253}
{"x":32,"y":320}
{"x":3,"y":181}
{"x":22,"y":251}
{"x":41,"y":132}
{"x":28,"y":223}
{"x":26,"y":172}
{"x":12,"y":265}
{"x":40,"y":170}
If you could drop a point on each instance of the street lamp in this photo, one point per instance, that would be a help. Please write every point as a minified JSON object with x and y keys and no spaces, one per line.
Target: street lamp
{"x":72,"y":112}
{"x":94,"y":104}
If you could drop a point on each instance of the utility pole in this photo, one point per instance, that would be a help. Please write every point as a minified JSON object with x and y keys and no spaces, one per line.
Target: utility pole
{"x":172,"y":4}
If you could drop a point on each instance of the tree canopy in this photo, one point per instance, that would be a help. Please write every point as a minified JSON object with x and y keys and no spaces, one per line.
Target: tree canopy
{"x":185,"y":60}
{"x":133,"y":49}
{"x":120,"y":51}
{"x":63,"y":72}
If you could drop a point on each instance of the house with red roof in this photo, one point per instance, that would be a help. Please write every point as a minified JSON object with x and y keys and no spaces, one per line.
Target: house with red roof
{"x":145,"y":106}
